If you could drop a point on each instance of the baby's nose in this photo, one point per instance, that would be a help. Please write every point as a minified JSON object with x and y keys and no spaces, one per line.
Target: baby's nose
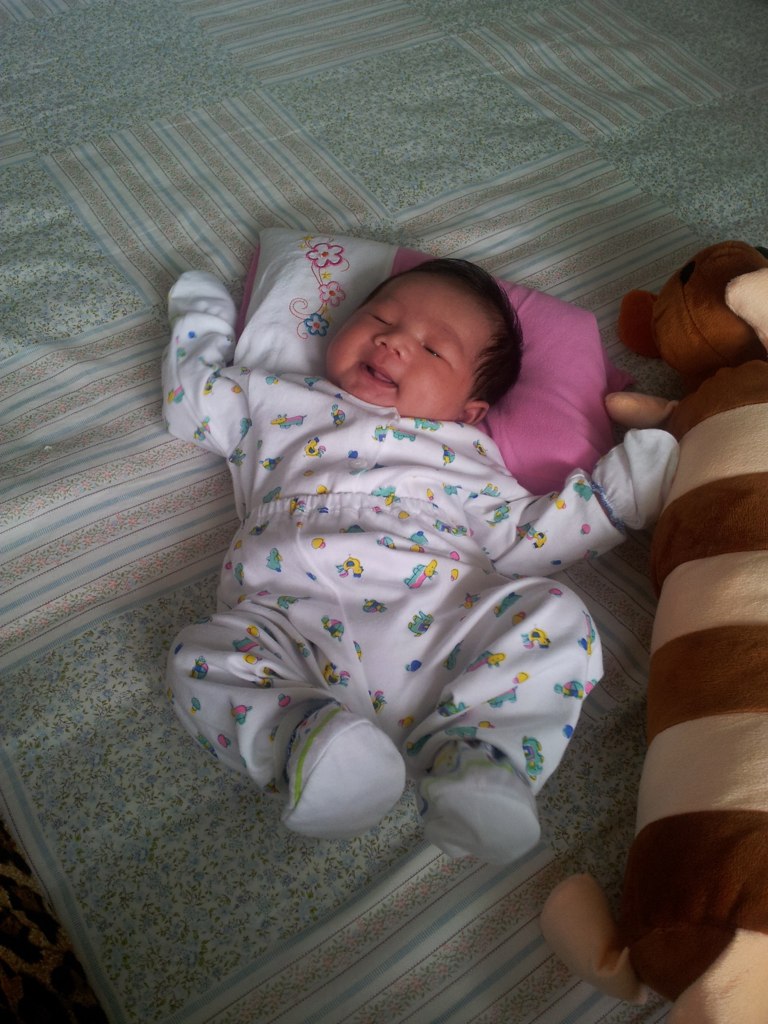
{"x":396,"y":341}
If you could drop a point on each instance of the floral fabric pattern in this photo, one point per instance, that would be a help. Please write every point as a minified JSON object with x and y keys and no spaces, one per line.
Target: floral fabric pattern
{"x":326,"y":260}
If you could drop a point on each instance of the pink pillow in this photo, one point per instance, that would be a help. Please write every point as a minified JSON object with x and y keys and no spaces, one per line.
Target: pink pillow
{"x":550,"y":422}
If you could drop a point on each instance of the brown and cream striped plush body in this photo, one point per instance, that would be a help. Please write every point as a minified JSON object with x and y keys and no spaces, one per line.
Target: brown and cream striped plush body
{"x":693,"y":921}
{"x":698,"y":868}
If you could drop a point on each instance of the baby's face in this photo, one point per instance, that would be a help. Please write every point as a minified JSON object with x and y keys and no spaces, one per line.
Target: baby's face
{"x":414,"y":346}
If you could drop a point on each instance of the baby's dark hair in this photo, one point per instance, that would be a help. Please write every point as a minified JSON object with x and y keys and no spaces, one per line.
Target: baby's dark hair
{"x":499,"y":364}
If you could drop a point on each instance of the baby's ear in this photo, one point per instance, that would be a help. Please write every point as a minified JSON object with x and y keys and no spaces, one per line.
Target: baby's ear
{"x":474,"y":411}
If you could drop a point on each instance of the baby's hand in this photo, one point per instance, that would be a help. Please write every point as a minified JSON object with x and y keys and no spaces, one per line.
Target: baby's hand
{"x":197,"y":291}
{"x":629,"y":409}
{"x":635,"y":477}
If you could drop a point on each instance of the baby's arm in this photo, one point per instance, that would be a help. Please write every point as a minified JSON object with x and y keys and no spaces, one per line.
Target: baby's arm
{"x":203,"y":396}
{"x":589,"y":515}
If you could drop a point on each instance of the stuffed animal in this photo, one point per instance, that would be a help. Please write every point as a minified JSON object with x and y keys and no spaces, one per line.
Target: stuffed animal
{"x":688,"y":324}
{"x":693,"y":919}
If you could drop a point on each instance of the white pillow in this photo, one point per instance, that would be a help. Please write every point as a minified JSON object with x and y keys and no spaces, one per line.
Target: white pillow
{"x":304,"y":289}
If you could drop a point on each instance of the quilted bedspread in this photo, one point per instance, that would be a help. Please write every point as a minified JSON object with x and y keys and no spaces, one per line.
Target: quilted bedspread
{"x":579,"y":147}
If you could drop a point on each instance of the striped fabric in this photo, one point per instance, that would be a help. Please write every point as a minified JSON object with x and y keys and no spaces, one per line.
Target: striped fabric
{"x":583,"y":147}
{"x":696,"y":872}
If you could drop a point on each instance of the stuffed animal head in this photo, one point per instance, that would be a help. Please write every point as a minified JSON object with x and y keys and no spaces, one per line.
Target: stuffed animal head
{"x":692,"y":924}
{"x":688,"y":324}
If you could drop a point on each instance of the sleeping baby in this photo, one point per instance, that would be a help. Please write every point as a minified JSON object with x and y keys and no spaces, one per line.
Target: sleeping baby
{"x":386,"y":608}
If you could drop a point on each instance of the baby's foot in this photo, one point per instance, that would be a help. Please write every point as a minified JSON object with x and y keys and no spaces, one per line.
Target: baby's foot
{"x":341,"y":774}
{"x":474,"y":801}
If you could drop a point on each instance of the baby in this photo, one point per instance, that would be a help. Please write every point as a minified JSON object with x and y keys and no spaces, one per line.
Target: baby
{"x":384,"y":609}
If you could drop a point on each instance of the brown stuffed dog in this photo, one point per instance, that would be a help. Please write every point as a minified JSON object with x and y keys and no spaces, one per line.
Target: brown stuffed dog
{"x":688,"y":324}
{"x":693,"y":921}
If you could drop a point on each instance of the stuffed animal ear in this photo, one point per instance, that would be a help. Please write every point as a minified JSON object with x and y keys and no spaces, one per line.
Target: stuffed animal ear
{"x":747,"y":297}
{"x":576,"y":921}
{"x":635,"y":325}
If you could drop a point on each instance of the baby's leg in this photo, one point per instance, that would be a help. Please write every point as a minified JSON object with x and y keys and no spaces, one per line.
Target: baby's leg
{"x":231,"y":684}
{"x":341,"y":773}
{"x":504,"y":721}
{"x":474,"y":801}
{"x":242,"y":689}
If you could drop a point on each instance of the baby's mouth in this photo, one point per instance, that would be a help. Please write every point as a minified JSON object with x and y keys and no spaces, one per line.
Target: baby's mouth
{"x":380,"y":376}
